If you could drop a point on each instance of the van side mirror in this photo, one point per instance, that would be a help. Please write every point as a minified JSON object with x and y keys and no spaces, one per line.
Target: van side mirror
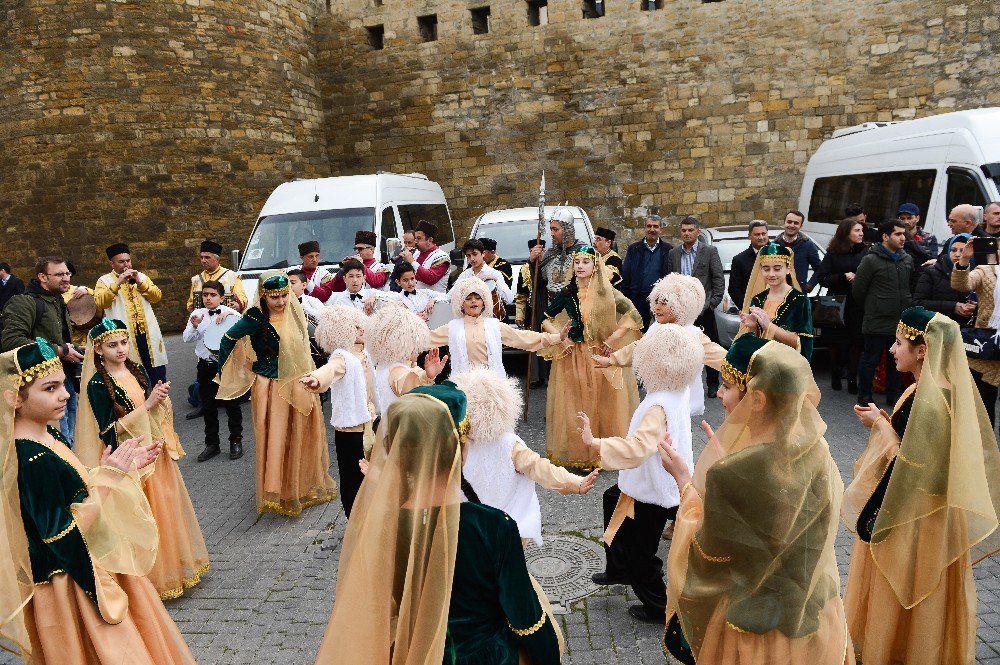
{"x":393,"y":248}
{"x":234,"y":257}
{"x":457,"y":257}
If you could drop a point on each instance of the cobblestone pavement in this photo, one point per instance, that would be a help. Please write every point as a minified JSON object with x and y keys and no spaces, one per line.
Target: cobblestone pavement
{"x":268,"y":595}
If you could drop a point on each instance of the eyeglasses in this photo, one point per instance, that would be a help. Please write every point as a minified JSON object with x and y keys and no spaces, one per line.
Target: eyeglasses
{"x":59,"y":274}
{"x":358,"y":248}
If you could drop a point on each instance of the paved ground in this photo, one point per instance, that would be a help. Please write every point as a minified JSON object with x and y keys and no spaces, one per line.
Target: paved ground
{"x":269,"y":593}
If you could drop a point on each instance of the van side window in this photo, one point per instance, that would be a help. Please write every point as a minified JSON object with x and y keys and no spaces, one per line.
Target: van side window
{"x":387,"y":229}
{"x":436,"y":213}
{"x":879,"y":193}
{"x":963,"y":187}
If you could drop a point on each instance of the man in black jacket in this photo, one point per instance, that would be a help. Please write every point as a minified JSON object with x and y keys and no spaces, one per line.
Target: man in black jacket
{"x":742,"y":265}
{"x":10,"y":284}
{"x":645,"y":263}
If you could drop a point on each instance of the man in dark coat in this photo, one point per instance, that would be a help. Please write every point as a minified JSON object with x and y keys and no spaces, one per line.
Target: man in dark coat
{"x":10,"y":284}
{"x":604,"y":244}
{"x":742,"y":265}
{"x":646,"y":261}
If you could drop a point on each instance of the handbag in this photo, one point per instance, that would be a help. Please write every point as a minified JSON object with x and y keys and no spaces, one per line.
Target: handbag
{"x":981,"y":343}
{"x":828,"y":311}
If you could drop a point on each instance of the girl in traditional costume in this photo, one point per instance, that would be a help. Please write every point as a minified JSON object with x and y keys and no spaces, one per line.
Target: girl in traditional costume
{"x":350,"y":378}
{"x":119,"y":403}
{"x":752,"y":573}
{"x":75,"y":542}
{"x":676,"y":299}
{"x":394,"y":337}
{"x":475,"y":337}
{"x":924,"y":504}
{"x":268,"y":350}
{"x":636,"y":510}
{"x":425,"y":577}
{"x":775,"y":306}
{"x":501,"y":468}
{"x":601,"y":320}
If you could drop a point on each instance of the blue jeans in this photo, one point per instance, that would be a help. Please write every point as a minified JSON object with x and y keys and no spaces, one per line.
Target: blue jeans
{"x":68,"y":422}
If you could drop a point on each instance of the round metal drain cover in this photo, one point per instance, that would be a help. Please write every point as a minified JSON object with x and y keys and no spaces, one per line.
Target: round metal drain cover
{"x":563,"y":566}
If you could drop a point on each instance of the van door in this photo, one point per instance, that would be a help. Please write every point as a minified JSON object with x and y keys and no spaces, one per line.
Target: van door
{"x":388,"y":228}
{"x":964,"y":186}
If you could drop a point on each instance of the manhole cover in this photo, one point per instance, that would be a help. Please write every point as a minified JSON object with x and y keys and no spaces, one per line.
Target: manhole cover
{"x":563,"y":566}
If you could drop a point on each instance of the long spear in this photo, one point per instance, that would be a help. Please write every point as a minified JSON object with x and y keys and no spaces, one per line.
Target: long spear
{"x":533,"y":298}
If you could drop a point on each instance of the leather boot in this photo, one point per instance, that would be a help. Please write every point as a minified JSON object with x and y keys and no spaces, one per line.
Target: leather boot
{"x":236,"y":449}
{"x":211,"y":450}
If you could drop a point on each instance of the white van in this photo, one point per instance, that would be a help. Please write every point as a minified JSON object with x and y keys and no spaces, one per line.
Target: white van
{"x":332,"y":210}
{"x":936,"y":163}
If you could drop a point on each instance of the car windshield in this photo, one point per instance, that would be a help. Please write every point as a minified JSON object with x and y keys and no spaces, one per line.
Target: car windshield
{"x":275,"y":241}
{"x":512,"y":237}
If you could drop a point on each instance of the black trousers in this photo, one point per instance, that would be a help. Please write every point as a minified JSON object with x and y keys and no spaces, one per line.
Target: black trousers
{"x":874,"y":346}
{"x":989,"y":394}
{"x":707,"y":323}
{"x":207,"y":390}
{"x":632,"y":556}
{"x":156,"y":374}
{"x":350,"y":450}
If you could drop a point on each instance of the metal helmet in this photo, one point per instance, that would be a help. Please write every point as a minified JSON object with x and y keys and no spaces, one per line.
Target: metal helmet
{"x":564,"y":216}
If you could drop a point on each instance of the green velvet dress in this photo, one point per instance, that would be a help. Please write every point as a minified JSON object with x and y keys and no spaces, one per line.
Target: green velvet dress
{"x":494,"y":608}
{"x":263,"y":339}
{"x":793,"y":315}
{"x":48,"y":487}
{"x":104,"y":407}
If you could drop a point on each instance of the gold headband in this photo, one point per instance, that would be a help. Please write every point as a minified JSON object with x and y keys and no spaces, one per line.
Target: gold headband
{"x":908,"y":332}
{"x":107,"y":334}
{"x":50,"y":366}
{"x":733,"y":376}
{"x":276,"y":292}
{"x":776,"y":257}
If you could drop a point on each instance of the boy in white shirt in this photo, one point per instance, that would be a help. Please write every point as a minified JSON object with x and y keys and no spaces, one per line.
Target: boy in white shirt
{"x":313,"y":307}
{"x":419,"y":301}
{"x":214,"y":312}
{"x":356,"y":295}
{"x":473,"y":250}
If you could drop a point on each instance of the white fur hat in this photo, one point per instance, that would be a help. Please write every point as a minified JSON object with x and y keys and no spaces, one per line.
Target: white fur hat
{"x":494,"y":403}
{"x":667,"y":358}
{"x":467,"y":287}
{"x":395,"y":334}
{"x":337,"y":328}
{"x":683,"y":295}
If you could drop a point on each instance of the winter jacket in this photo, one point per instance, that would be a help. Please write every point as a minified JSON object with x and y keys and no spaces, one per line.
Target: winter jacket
{"x":831,"y":275}
{"x":632,"y":283}
{"x":882,"y":286}
{"x":934,"y":292}
{"x":20,"y":326}
{"x":806,"y":256}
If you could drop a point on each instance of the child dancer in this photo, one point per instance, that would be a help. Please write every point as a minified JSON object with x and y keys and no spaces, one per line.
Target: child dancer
{"x":213,"y":312}
{"x":349,"y":377}
{"x":502,"y":470}
{"x":637,"y":509}
{"x":289,"y":433}
{"x":119,"y":403}
{"x":474,"y":337}
{"x":676,"y":299}
{"x":77,"y":541}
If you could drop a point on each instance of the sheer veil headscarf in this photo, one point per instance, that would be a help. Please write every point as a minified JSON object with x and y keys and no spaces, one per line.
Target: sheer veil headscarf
{"x":759,"y":546}
{"x":398,"y":559}
{"x":758,"y":283}
{"x":943,"y":495}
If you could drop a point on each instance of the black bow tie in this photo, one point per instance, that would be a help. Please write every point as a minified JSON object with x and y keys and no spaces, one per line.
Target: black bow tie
{"x":355,"y":296}
{"x":409,"y":293}
{"x":213,"y":312}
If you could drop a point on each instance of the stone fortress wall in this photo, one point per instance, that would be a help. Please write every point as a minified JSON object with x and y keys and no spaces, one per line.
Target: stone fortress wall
{"x":161,"y":123}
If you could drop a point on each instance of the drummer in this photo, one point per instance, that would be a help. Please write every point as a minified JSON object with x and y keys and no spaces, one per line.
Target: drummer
{"x":205,"y":327}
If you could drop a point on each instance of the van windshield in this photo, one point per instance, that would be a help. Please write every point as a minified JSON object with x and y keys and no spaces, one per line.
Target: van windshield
{"x":275,"y":241}
{"x":512,"y":237}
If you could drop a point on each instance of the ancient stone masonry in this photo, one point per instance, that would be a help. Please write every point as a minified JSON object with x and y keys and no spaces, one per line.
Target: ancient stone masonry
{"x":696,"y":108}
{"x":164,"y":122}
{"x":155,"y":122}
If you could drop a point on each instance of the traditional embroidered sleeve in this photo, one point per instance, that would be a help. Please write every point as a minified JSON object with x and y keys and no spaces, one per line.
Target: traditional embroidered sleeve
{"x":543,"y":472}
{"x":151,"y":292}
{"x":240,"y":294}
{"x":435,"y":273}
{"x":190,"y":300}
{"x":104,"y":295}
{"x":526,"y":617}
{"x":103,"y":408}
{"x":629,"y":452}
{"x":527,"y":340}
{"x":330,"y":373}
{"x":247,"y":325}
{"x":376,"y":278}
{"x":623,"y":356}
{"x":439,"y":336}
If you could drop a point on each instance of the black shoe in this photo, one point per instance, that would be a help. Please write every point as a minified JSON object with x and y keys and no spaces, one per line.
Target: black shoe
{"x":642,"y":614}
{"x":602,"y":579}
{"x":208,"y":453}
{"x":713,"y":392}
{"x":835,"y":382}
{"x":194,"y":415}
{"x":236,"y":449}
{"x":852,"y":386}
